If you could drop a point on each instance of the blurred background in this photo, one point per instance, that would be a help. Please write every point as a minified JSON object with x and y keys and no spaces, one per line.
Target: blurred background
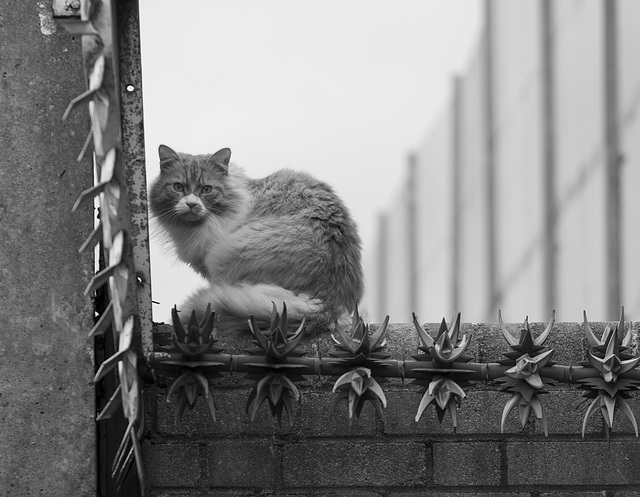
{"x":488,"y":149}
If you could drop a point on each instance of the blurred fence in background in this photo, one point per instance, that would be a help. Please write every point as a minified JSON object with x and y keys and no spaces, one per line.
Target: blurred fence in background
{"x":523,"y":195}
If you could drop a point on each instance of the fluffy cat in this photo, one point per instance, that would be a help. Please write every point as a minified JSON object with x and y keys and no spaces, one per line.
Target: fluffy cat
{"x":284,"y":238}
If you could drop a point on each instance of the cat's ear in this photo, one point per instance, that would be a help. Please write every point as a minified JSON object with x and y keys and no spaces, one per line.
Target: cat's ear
{"x":221,"y":159}
{"x":168,"y":157}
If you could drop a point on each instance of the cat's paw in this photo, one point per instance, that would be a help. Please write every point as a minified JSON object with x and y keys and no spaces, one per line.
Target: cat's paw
{"x":315,"y":306}
{"x":302,"y":305}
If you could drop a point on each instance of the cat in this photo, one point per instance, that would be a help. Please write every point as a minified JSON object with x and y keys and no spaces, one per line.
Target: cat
{"x":286,"y":238}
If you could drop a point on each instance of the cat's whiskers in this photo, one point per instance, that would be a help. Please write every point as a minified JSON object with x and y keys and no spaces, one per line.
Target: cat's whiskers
{"x":168,"y":216}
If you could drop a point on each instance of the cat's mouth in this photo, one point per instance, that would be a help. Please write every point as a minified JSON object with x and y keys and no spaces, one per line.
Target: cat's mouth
{"x":192,"y":216}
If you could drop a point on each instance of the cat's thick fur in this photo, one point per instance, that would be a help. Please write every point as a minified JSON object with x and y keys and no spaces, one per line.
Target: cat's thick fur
{"x":284,"y":238}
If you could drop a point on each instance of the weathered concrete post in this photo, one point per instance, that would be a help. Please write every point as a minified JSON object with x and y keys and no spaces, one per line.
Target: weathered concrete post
{"x":47,"y":431}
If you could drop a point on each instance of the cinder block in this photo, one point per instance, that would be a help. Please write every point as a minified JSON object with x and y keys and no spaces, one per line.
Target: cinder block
{"x":578,"y":462}
{"x":175,"y":493}
{"x":194,"y":421}
{"x":466,"y":463}
{"x":561,"y":410}
{"x":487,"y":343}
{"x":316,"y":419}
{"x":231,"y":417}
{"x":621,"y":423}
{"x":312,"y":416}
{"x":402,"y":339}
{"x":172,"y":465}
{"x":480,"y":412}
{"x":575,"y":494}
{"x":567,"y":339}
{"x":399,"y":416}
{"x":565,"y":413}
{"x":340,"y":493}
{"x":569,"y":342}
{"x":235,"y":493}
{"x":240,"y":463}
{"x":354,"y":463}
{"x":208,"y":492}
{"x":480,"y":493}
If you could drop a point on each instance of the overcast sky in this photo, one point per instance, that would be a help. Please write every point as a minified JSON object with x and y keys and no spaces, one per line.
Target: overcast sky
{"x":344,"y":89}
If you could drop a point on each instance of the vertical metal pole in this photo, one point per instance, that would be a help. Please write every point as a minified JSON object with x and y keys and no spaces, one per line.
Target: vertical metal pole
{"x":456,"y":222}
{"x":490,"y":184}
{"x":612,"y":149}
{"x":412,"y":232}
{"x":382,"y":263}
{"x":549,"y":203}
{"x":130,"y":77}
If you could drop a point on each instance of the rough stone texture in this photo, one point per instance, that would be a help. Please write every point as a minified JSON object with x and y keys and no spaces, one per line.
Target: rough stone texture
{"x":565,"y":413}
{"x":312,"y":417}
{"x":490,"y":493}
{"x":318,"y":419}
{"x":349,"y":463}
{"x":484,"y":493}
{"x":46,"y":394}
{"x":173,"y":465}
{"x":176,"y":493}
{"x":579,"y":462}
{"x":575,"y":494}
{"x":243,"y":464}
{"x":466,"y":463}
{"x":622,"y":424}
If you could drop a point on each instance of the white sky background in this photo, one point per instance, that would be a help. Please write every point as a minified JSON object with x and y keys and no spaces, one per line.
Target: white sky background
{"x":343,"y":89}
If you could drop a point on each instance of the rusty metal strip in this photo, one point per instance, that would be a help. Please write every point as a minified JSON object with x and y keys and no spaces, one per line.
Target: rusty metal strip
{"x":96,"y":24}
{"x":130,"y":75}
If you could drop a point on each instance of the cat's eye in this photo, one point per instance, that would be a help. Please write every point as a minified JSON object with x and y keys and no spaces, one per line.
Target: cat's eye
{"x":179,"y":187}
{"x":207,"y":189}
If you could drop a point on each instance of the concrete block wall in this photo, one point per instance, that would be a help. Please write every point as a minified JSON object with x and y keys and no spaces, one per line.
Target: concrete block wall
{"x":319,"y":455}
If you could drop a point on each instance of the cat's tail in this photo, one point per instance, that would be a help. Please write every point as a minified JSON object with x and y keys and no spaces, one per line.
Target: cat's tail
{"x":235,"y":303}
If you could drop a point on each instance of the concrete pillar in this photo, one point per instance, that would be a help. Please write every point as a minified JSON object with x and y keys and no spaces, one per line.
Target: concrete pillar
{"x":47,"y":430}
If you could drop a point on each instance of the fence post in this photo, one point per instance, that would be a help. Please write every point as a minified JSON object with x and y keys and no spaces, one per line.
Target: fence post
{"x":613,"y":160}
{"x":549,"y":203}
{"x":490,"y":180}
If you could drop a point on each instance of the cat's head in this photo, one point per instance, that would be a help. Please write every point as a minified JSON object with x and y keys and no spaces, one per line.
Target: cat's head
{"x":191,"y":188}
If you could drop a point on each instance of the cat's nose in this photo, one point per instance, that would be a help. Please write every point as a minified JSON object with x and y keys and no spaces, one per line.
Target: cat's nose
{"x":192,"y":205}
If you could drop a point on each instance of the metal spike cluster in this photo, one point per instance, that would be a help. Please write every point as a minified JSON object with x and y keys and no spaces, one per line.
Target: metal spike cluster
{"x":609,"y":356}
{"x":276,"y":376}
{"x":442,"y":370}
{"x":96,"y":25}
{"x":525,"y":379}
{"x":441,"y":382}
{"x":361,"y":350}
{"x":192,"y":344}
